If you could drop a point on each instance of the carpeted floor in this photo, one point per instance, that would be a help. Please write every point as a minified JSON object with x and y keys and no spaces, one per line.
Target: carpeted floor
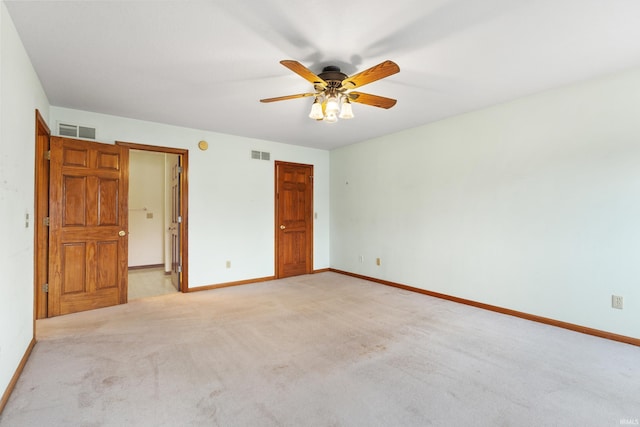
{"x":318,"y":350}
{"x":149,"y":282}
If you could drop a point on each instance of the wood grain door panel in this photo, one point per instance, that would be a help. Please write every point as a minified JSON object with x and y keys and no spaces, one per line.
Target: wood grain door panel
{"x":294,"y":252}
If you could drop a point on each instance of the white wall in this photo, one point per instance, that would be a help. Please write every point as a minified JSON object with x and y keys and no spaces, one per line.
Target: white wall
{"x":231,"y":196}
{"x":147,"y":184}
{"x":533,"y":205}
{"x":20,"y":94}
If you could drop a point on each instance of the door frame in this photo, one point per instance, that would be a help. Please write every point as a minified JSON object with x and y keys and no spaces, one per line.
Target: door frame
{"x":41,"y":211}
{"x":184,"y":201}
{"x":310,"y":228}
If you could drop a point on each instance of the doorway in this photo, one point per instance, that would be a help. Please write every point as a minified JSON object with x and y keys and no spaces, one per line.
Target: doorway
{"x":153,"y":179}
{"x":158,"y":258}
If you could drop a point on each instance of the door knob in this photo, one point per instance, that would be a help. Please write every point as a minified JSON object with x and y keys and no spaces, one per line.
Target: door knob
{"x":122,"y":233}
{"x":282,"y":227}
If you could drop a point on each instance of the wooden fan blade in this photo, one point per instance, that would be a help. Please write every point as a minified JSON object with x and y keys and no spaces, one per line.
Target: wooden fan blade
{"x":380,"y":71}
{"x":304,"y":72}
{"x":283,"y":98}
{"x":374,"y":100}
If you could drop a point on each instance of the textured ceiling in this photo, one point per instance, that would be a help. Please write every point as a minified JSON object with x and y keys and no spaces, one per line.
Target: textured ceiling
{"x":205,"y":64}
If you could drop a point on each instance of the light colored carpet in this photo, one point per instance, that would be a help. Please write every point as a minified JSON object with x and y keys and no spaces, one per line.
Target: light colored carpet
{"x":318,"y":350}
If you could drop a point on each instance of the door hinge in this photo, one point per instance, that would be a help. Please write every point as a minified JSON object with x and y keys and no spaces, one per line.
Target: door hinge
{"x":310,"y":177}
{"x":180,"y":219}
{"x":45,"y":287}
{"x":46,"y":221}
{"x":179,"y":169}
{"x":179,"y":269}
{"x":47,"y":154}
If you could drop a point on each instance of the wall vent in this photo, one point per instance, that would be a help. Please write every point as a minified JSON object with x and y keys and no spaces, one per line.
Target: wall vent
{"x":260,"y":155}
{"x":75,"y":131}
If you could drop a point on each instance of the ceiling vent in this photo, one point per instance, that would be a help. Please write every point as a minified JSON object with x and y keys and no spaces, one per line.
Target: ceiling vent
{"x":75,"y":131}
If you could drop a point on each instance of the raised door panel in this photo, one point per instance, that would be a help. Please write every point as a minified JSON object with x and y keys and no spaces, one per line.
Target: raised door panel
{"x":295,"y":252}
{"x":75,"y":157}
{"x":107,"y":161}
{"x":74,"y":203}
{"x":108,"y":211}
{"x":74,"y":267}
{"x":106,"y":265}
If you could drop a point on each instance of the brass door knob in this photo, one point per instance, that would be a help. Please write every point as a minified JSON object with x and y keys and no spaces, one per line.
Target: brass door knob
{"x":282,"y":227}
{"x":122,"y":233}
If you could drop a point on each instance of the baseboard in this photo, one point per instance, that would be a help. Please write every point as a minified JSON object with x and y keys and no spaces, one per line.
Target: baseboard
{"x":227,"y":284}
{"x":502,"y":310}
{"x":16,"y":375}
{"x":245,"y":282}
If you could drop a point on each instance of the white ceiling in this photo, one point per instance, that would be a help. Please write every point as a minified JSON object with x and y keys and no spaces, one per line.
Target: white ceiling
{"x":205,"y":64}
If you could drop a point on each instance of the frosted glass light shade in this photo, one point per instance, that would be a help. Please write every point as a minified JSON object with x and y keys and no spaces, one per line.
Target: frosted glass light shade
{"x":331,"y":118}
{"x":346,"y":112}
{"x":316,"y":111}
{"x":332,"y":105}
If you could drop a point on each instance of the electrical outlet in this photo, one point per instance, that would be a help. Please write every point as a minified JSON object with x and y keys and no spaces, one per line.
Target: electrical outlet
{"x":378,"y":261}
{"x":616,"y":302}
{"x":228,"y":264}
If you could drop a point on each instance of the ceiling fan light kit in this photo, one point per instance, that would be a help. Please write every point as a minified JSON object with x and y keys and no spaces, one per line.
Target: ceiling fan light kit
{"x":333,"y":90}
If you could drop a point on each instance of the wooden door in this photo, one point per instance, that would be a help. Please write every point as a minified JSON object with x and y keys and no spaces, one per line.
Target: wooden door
{"x":176,"y":220}
{"x":294,"y":219}
{"x":88,"y":225}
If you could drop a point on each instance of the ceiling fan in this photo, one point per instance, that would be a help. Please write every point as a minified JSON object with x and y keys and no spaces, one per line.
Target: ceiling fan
{"x":333,"y":89}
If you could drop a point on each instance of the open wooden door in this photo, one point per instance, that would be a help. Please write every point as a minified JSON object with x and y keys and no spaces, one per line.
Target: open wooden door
{"x":88,"y":225}
{"x":294,"y":219}
{"x":176,"y":220}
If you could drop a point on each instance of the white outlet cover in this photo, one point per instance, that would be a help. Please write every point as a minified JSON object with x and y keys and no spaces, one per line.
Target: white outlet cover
{"x":617,"y":302}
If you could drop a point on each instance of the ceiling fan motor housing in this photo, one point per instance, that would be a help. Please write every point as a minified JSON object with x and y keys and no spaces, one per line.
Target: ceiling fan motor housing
{"x":333,"y":76}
